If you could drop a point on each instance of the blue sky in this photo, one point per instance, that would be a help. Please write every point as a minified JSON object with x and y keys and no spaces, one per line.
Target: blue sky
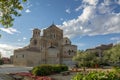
{"x":88,"y":23}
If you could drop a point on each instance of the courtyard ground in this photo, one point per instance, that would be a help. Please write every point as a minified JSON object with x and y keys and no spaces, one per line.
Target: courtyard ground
{"x":5,"y":69}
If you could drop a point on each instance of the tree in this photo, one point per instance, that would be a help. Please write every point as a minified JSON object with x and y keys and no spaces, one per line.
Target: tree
{"x":112,"y":55}
{"x":87,"y":58}
{"x":8,"y":10}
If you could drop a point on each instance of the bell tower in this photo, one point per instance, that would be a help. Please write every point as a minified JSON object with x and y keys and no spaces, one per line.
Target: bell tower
{"x":34,"y":41}
{"x":36,"y":33}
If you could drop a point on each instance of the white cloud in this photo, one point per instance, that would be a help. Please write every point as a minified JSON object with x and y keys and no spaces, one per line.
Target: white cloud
{"x":7,"y":50}
{"x":80,"y":44}
{"x":31,"y":29}
{"x":27,"y":11}
{"x":78,"y":8}
{"x":118,"y":2}
{"x":107,"y":2}
{"x":24,"y":38}
{"x":10,"y":30}
{"x":21,"y":40}
{"x":87,"y":13}
{"x":91,"y":2}
{"x":68,"y":11}
{"x":96,"y":19}
{"x":28,"y":5}
{"x":115,"y":38}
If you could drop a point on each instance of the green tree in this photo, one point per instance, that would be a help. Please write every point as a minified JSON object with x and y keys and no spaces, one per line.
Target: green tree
{"x":8,"y":10}
{"x":87,"y":58}
{"x":112,"y":55}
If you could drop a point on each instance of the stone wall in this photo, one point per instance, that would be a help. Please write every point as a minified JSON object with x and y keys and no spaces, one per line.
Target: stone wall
{"x":27,"y":58}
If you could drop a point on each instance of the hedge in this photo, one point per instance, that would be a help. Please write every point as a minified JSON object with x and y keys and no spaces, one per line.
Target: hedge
{"x":46,"y":69}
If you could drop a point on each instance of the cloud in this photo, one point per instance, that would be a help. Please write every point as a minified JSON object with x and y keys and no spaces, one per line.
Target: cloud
{"x":91,"y":2}
{"x":117,"y":39}
{"x":27,"y":11}
{"x":24,"y":38}
{"x":95,"y":19}
{"x":27,"y":6}
{"x":7,"y":50}
{"x":80,"y":44}
{"x":68,"y":11}
{"x":9,"y":30}
{"x":21,"y":40}
{"x":118,"y":2}
{"x":78,"y":8}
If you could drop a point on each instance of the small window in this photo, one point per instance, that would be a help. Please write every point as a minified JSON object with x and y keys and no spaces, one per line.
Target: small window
{"x":23,"y":55}
{"x":72,"y":51}
{"x":54,"y":35}
{"x":35,"y":42}
{"x":66,"y":41}
{"x":69,"y":52}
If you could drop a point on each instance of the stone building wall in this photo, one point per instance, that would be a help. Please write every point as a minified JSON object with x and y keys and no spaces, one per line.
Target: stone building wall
{"x":50,"y":48}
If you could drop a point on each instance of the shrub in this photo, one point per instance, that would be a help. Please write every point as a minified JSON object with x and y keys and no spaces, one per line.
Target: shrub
{"x":64,"y":68}
{"x":96,"y":76}
{"x":59,"y":68}
{"x":42,"y":70}
{"x":116,"y":69}
{"x":56,"y":69}
{"x":36,"y":70}
{"x":46,"y":69}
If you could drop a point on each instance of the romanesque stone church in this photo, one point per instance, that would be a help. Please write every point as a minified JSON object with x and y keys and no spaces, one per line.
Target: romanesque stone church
{"x":50,"y":48}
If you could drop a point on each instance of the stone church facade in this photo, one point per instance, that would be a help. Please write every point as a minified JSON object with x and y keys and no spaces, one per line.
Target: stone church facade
{"x":50,"y":48}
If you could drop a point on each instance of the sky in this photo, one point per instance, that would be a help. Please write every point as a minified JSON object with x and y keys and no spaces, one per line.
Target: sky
{"x":88,"y":23}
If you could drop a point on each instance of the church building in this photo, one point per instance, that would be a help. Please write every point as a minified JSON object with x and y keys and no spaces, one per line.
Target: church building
{"x":50,"y":48}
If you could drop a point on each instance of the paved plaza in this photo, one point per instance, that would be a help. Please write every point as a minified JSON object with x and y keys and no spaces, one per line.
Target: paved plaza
{"x":5,"y":69}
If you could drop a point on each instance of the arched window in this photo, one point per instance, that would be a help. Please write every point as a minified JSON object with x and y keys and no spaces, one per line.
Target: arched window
{"x":23,"y":55}
{"x":69,"y":52}
{"x":35,"y":42}
{"x":66,"y":41}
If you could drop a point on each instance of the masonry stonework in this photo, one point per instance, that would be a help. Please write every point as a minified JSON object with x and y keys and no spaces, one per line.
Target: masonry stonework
{"x":51,"y":48}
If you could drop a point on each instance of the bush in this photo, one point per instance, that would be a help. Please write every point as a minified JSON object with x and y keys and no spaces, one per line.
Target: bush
{"x":46,"y":69}
{"x":56,"y":69}
{"x":64,"y":68}
{"x":59,"y":68}
{"x":96,"y":76}
{"x":116,"y":69}
{"x":42,"y":70}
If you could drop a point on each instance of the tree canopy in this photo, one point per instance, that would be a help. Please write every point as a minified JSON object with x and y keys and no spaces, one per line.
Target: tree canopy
{"x":87,"y":58}
{"x":90,"y":59}
{"x":112,"y":55}
{"x":8,"y":10}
